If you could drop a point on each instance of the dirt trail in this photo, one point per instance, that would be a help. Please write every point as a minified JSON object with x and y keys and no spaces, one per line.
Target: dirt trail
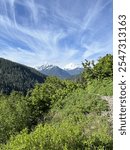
{"x":109,"y":99}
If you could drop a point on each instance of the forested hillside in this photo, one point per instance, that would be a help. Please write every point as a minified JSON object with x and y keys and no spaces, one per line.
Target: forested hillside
{"x":14,"y":76}
{"x":61,"y":114}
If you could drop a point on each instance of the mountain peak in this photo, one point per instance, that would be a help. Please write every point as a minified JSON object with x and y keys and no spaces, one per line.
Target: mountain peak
{"x":46,"y":66}
{"x":52,"y":70}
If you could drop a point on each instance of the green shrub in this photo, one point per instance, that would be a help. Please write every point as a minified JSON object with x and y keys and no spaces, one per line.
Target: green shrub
{"x":14,"y":115}
{"x":101,"y":70}
{"x":45,"y":95}
{"x":93,"y":133}
{"x":102,"y":87}
{"x":78,"y":103}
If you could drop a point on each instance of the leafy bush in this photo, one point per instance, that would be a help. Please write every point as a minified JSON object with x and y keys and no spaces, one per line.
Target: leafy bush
{"x":104,"y":67}
{"x":102,"y":87}
{"x":101,"y":70}
{"x":74,"y":122}
{"x":45,"y":95}
{"x":14,"y":115}
{"x":77,"y":104}
{"x":93,"y":133}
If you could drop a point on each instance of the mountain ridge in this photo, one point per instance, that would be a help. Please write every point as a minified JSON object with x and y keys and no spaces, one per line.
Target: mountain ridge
{"x":52,"y":70}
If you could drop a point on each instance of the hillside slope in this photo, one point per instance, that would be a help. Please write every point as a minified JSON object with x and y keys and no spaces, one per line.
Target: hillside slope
{"x":14,"y":76}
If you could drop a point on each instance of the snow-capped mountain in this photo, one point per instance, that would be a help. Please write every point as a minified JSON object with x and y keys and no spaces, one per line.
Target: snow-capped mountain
{"x":43,"y":67}
{"x":52,"y":70}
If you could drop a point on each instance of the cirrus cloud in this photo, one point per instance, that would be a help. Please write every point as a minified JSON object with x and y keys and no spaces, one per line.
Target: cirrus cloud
{"x":58,"y":32}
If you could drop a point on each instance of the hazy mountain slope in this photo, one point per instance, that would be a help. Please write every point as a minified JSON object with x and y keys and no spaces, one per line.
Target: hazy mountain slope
{"x":75,"y":71}
{"x":51,"y":70}
{"x":14,"y":76}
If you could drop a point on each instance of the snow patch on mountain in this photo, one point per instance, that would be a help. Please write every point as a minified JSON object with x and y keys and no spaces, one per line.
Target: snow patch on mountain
{"x":44,"y":67}
{"x":68,"y":71}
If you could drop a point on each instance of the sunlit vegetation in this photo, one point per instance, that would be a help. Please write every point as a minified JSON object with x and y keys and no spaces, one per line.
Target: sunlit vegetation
{"x":60,"y":114}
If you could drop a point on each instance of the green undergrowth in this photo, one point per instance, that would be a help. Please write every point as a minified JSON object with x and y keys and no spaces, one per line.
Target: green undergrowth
{"x":102,"y":87}
{"x":74,"y":123}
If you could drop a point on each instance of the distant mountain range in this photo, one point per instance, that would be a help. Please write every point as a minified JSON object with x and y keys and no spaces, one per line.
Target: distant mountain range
{"x":14,"y":76}
{"x":52,"y":70}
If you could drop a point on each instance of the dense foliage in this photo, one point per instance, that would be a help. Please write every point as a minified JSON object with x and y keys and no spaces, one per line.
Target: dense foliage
{"x":102,"y":69}
{"x":102,"y":87}
{"x":14,"y":115}
{"x":60,"y":114}
{"x":44,"y":96}
{"x":14,"y":76}
{"x":65,"y":136}
{"x":98,"y":78}
{"x":74,"y":123}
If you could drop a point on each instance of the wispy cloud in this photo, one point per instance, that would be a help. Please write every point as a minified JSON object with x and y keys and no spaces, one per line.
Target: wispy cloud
{"x":58,"y":32}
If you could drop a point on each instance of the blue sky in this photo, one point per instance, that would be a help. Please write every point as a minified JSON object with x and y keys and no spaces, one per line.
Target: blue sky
{"x":59,"y":32}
